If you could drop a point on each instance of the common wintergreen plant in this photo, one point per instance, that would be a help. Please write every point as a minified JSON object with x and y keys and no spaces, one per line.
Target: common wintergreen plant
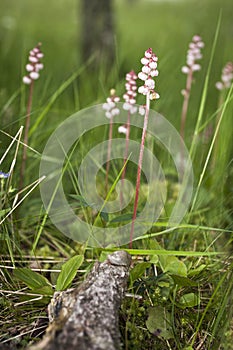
{"x":33,"y":68}
{"x":129,"y":105}
{"x":148,"y":73}
{"x":226,"y":77}
{"x":222,"y":86}
{"x":110,"y":111}
{"x":193,"y":55}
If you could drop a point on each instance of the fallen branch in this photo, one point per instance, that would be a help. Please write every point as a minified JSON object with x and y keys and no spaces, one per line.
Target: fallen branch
{"x":86,"y":318}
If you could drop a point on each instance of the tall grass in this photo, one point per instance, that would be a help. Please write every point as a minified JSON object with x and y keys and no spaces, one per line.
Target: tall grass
{"x":195,"y":256}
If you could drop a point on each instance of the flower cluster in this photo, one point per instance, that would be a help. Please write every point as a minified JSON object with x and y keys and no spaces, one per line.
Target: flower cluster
{"x":227,"y":77}
{"x":34,"y":65}
{"x":110,"y":105}
{"x":130,"y":95}
{"x":148,"y":72}
{"x":193,"y":55}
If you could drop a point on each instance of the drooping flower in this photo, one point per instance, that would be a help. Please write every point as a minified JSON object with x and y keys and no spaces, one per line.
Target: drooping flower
{"x":193,"y":55}
{"x":130,"y":95}
{"x":148,"y":73}
{"x":34,"y":65}
{"x":111,"y":110}
{"x":110,"y":105}
{"x":142,"y":109}
{"x":130,"y":99}
{"x":226,"y":77}
{"x":122,"y":129}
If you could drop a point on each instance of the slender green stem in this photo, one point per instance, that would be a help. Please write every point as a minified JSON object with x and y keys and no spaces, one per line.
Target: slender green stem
{"x":193,"y":147}
{"x":210,"y":150}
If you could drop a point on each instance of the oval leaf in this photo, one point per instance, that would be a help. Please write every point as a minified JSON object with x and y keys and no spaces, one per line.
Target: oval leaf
{"x":159,"y":322}
{"x":31,"y":278}
{"x":138,"y":271}
{"x":68,"y":272}
{"x":174,"y":266}
{"x":189,"y":300}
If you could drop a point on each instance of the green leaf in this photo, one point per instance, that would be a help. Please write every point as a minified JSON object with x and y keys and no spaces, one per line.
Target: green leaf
{"x":4,"y":212}
{"x":80,"y":200}
{"x":122,"y":218}
{"x":45,"y":290}
{"x":170,"y":263}
{"x":138,"y":271}
{"x":173,"y":266}
{"x":189,"y":300}
{"x":159,"y":322}
{"x":154,"y":259}
{"x":54,"y":275}
{"x":31,"y":278}
{"x":104,"y":216}
{"x":184,"y":281}
{"x":198,"y":270}
{"x":68,"y":272}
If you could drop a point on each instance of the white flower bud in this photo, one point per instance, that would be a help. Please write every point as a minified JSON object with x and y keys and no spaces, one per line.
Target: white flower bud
{"x":153,"y":65}
{"x":142,"y":76}
{"x":27,"y":80}
{"x":185,"y":69}
{"x":34,"y":75}
{"x":115,"y":111}
{"x":196,"y":67}
{"x":219,"y":85}
{"x":126,"y":106}
{"x":29,"y":67}
{"x":146,"y":69}
{"x":150,"y":83}
{"x":33,"y":59}
{"x":144,"y":61}
{"x":39,"y":66}
{"x":141,"y":110}
{"x":154,"y":73}
{"x":122,"y":129}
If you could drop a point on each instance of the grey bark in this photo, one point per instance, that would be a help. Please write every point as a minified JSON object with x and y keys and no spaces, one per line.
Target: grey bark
{"x":97,"y":30}
{"x":86,"y":318}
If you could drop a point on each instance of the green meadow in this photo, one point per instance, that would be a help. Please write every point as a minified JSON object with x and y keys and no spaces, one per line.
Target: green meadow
{"x":183,"y":272}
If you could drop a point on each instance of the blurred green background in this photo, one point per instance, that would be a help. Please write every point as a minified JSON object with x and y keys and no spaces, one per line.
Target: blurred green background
{"x":166,"y":26}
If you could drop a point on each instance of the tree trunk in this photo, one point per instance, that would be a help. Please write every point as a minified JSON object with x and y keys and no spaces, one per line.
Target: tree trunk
{"x":86,"y":318}
{"x":97,"y":35}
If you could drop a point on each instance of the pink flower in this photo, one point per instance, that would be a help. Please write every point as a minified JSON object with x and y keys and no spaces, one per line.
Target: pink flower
{"x":130,"y":95}
{"x":193,"y":55}
{"x":110,"y":105}
{"x":227,"y":77}
{"x":148,"y":72}
{"x":34,"y":65}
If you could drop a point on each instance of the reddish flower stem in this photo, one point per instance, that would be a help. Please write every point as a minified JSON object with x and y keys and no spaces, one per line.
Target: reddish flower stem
{"x":146,"y":118}
{"x":109,"y":153}
{"x":125,"y":157}
{"x":184,"y":116}
{"x":126,"y":145}
{"x":185,"y":103}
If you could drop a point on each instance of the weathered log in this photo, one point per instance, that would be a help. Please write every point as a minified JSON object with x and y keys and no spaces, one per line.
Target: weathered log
{"x":86,"y":318}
